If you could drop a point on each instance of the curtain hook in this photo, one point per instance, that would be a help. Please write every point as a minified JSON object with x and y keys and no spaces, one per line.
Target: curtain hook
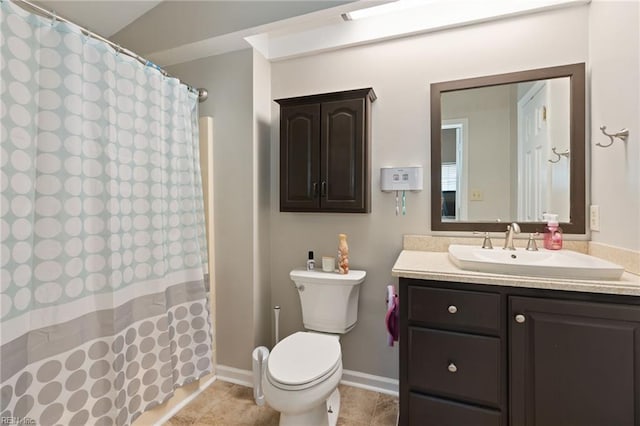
{"x":85,"y":36}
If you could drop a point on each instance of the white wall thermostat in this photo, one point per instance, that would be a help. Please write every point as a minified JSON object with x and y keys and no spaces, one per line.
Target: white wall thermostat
{"x":401,"y":178}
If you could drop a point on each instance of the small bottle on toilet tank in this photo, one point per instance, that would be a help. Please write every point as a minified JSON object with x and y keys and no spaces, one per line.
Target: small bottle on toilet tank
{"x":311,"y":264}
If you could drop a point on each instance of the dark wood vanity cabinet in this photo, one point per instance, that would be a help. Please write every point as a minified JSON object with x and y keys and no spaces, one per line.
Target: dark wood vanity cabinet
{"x":452,"y":356}
{"x":574,"y":363}
{"x":325,"y":153}
{"x":493,"y":355}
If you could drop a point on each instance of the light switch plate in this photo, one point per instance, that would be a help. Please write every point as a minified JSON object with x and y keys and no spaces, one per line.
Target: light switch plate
{"x":594,"y":218}
{"x":476,"y":195}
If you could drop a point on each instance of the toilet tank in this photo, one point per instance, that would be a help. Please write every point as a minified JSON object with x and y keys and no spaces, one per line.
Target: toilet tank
{"x":329,"y":300}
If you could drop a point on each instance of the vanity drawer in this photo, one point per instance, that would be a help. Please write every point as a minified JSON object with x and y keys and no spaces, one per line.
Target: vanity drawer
{"x":427,"y":410}
{"x":455,"y":309}
{"x":456,"y":365}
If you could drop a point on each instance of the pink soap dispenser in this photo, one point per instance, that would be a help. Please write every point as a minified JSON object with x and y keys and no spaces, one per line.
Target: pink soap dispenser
{"x":552,"y":232}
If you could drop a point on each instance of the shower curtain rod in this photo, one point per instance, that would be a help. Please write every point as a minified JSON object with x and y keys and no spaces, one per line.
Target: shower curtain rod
{"x":202,"y":93}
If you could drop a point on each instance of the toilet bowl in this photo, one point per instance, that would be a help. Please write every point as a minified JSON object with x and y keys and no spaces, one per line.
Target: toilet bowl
{"x":303,"y":371}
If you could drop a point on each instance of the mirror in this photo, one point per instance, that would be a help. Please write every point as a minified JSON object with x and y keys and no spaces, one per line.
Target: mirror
{"x":508,"y":148}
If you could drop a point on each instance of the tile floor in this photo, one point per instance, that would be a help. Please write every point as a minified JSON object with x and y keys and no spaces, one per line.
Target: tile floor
{"x":227,"y":404}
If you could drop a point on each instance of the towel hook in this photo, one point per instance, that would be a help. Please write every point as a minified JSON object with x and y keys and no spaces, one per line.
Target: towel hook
{"x":559,"y":155}
{"x":622,"y":134}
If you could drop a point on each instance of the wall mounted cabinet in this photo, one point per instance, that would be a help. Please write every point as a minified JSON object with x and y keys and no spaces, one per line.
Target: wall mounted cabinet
{"x":325,"y":155}
{"x":493,"y":355}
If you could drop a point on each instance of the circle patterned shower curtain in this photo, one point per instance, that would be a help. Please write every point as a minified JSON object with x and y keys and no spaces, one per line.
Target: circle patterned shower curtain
{"x":104,"y":307}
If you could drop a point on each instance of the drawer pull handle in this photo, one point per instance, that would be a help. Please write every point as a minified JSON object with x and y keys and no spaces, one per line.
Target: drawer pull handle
{"x":452,"y":368}
{"x":452,"y":309}
{"x":520,"y":318}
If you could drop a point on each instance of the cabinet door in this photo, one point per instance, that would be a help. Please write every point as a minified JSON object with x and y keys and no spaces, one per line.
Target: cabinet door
{"x":300,"y":157}
{"x":574,"y":363}
{"x":343,"y":169}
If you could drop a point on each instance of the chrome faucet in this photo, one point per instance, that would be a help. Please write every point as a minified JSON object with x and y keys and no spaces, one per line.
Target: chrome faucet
{"x":514,"y":228}
{"x":486,"y":242}
{"x":531,"y":244}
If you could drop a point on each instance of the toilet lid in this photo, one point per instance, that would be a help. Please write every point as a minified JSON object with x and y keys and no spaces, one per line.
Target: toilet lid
{"x":303,"y":357}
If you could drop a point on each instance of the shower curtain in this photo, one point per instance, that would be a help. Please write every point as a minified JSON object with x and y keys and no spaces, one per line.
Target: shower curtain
{"x":104,"y":302}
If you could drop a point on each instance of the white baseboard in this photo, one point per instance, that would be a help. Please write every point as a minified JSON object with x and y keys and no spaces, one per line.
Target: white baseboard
{"x":234,"y":375}
{"x":184,"y":402}
{"x":241,"y":377}
{"x":356,"y":379}
{"x":370,"y":382}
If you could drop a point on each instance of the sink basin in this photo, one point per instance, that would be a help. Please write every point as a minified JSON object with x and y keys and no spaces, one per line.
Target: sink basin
{"x":542,"y":263}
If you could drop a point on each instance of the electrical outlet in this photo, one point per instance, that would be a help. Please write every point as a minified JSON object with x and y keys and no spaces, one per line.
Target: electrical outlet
{"x":594,"y":218}
{"x":476,"y":195}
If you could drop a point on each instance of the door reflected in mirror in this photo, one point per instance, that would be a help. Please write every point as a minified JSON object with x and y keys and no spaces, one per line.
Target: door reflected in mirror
{"x":509,"y":148}
{"x":497,"y":152}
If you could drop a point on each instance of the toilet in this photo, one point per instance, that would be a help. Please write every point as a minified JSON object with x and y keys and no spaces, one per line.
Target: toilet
{"x":304,"y":369}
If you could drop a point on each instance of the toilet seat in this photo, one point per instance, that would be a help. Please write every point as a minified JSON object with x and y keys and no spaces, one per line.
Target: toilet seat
{"x":302,"y":360}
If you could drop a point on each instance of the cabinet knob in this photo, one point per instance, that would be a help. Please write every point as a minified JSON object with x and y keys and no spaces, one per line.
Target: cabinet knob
{"x":452,"y":368}
{"x":323,"y":189}
{"x":520,"y":318}
{"x":452,"y":309}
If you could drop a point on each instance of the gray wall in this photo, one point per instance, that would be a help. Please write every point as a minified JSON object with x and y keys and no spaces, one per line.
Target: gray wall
{"x":261,"y":184}
{"x":449,"y":148}
{"x":229,"y":79}
{"x":489,"y":114}
{"x":614,"y":67}
{"x":400,"y":72}
{"x":240,"y":102}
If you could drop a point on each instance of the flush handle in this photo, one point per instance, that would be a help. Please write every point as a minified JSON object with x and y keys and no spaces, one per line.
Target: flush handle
{"x":452,"y":309}
{"x":520,"y":318}
{"x":452,"y":368}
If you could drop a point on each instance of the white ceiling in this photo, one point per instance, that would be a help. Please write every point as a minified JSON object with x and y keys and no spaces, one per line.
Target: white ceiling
{"x":325,"y":30}
{"x":100,"y":16}
{"x":300,"y":34}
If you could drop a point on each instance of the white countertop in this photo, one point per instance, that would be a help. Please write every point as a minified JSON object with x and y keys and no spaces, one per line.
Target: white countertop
{"x":437,"y":266}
